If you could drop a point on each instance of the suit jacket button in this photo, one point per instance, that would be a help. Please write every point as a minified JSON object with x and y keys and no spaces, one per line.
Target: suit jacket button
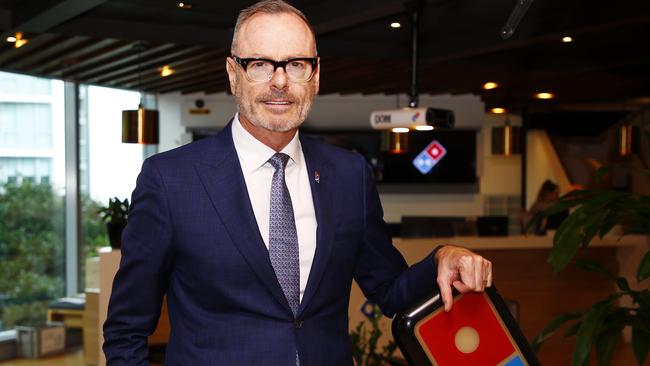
{"x":298,"y":324}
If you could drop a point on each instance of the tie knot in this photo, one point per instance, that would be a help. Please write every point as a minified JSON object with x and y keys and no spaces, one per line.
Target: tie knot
{"x":279,"y":161}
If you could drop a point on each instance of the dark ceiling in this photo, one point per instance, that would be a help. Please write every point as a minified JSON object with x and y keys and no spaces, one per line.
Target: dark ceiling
{"x":608,"y":63}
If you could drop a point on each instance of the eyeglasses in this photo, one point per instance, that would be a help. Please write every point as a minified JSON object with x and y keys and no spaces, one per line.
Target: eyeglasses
{"x":261,"y":69}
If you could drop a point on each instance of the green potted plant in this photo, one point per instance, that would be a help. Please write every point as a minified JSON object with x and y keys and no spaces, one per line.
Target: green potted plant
{"x":597,"y":212}
{"x":363,"y":342}
{"x":115,"y":215}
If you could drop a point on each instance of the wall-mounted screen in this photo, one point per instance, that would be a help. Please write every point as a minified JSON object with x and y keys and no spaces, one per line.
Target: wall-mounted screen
{"x":432,"y":157}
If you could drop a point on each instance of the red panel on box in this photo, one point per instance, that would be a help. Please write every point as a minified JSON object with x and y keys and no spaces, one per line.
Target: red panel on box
{"x":475,"y":316}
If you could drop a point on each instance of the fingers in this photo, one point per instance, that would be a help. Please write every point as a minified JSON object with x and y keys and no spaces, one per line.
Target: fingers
{"x":489,"y":274}
{"x":445,"y":292}
{"x":464,"y":270}
{"x":475,"y":271}
{"x":478,"y":274}
{"x":461,"y":287}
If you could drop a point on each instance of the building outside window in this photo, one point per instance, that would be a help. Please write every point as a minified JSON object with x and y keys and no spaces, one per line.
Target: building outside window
{"x":33,"y":187}
{"x":32,"y":196}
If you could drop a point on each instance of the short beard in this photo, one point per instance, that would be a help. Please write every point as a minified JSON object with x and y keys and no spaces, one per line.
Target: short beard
{"x":249,"y":110}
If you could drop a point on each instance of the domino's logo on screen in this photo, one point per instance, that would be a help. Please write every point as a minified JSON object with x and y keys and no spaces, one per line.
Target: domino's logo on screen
{"x":429,"y":157}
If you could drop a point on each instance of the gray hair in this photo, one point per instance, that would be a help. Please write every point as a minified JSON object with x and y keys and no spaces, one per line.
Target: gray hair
{"x":267,"y":7}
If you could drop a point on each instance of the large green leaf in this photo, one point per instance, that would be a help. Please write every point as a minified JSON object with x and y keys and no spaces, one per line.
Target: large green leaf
{"x":552,"y":327}
{"x":605,"y":346}
{"x":566,"y":241}
{"x":602,"y":199}
{"x":573,"y":330}
{"x":597,"y":267}
{"x":564,"y":203}
{"x":589,"y":226}
{"x":608,"y":223}
{"x":643,"y":271}
{"x":640,"y":342}
{"x":589,"y":329}
{"x":591,"y":265}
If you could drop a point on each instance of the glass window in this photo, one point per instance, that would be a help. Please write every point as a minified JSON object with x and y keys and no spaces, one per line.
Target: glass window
{"x":32,"y":189}
{"x":26,"y":125}
{"x":107,"y":167}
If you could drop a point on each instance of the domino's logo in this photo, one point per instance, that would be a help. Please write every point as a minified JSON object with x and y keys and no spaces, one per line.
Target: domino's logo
{"x":429,"y":157}
{"x":415,"y":116}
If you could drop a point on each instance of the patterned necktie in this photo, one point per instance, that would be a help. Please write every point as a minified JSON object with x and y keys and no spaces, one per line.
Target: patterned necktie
{"x":283,"y":238}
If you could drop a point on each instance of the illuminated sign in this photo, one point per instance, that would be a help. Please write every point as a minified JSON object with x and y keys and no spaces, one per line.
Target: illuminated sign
{"x":429,"y":157}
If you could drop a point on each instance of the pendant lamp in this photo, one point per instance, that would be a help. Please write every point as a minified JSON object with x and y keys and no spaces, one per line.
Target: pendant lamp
{"x":506,"y":139}
{"x":628,"y":140}
{"x":395,"y":142}
{"x":140,"y":126}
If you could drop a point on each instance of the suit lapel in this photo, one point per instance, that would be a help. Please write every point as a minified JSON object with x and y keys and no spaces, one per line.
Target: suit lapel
{"x":322,"y":195}
{"x":226,"y":187}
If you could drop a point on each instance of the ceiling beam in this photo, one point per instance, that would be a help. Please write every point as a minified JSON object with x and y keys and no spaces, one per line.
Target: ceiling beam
{"x":127,"y":57}
{"x":5,"y":20}
{"x":71,"y":56}
{"x":61,"y":50}
{"x":182,"y":75}
{"x":36,"y":46}
{"x":477,"y":44}
{"x":147,"y":32}
{"x":181,"y":64}
{"x":202,"y":87}
{"x":88,"y":57}
{"x":42,"y":16}
{"x":146,"y":65}
{"x":193,"y":83}
{"x":330,"y":17}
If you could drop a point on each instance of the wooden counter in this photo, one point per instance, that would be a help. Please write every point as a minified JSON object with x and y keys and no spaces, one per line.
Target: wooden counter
{"x":520,"y":272}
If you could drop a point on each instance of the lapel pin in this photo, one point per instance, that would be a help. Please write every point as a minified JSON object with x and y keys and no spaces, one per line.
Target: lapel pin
{"x":316,"y":176}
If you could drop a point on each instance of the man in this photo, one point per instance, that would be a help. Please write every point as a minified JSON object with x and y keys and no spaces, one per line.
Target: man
{"x":255,"y":234}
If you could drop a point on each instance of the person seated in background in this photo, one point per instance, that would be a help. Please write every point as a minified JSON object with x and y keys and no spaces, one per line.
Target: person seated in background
{"x":548,"y":193}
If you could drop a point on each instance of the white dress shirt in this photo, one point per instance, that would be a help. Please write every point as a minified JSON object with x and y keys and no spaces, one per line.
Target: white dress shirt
{"x":258,"y":172}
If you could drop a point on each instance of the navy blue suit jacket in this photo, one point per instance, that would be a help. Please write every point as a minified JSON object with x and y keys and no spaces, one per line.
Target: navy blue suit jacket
{"x":192,"y":235}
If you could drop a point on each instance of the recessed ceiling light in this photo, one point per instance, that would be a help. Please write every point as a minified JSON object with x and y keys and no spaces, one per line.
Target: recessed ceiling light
{"x":498,"y":110}
{"x":490,"y":85}
{"x":395,"y":25}
{"x":183,"y":5}
{"x":400,"y":130}
{"x":567,"y":39}
{"x":544,"y":95}
{"x":166,"y":71}
{"x":424,"y":128}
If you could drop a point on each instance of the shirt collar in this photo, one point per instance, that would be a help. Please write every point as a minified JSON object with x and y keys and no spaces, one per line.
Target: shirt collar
{"x":253,"y":153}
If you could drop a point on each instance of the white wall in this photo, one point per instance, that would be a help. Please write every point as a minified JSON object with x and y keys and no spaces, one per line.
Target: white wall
{"x":353,"y":112}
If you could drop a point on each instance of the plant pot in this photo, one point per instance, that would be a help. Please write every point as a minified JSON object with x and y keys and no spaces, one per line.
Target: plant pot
{"x":40,"y":340}
{"x":115,"y":234}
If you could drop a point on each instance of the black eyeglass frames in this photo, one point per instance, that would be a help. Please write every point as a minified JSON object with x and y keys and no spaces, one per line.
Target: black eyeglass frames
{"x":299,"y":69}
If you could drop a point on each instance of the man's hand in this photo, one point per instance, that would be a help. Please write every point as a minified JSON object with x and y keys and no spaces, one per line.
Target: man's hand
{"x":462,"y":268}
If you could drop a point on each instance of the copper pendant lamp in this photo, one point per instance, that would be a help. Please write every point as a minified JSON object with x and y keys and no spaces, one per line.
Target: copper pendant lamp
{"x":140,"y":126}
{"x":628,"y":140}
{"x":506,"y":139}
{"x":394,"y":142}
